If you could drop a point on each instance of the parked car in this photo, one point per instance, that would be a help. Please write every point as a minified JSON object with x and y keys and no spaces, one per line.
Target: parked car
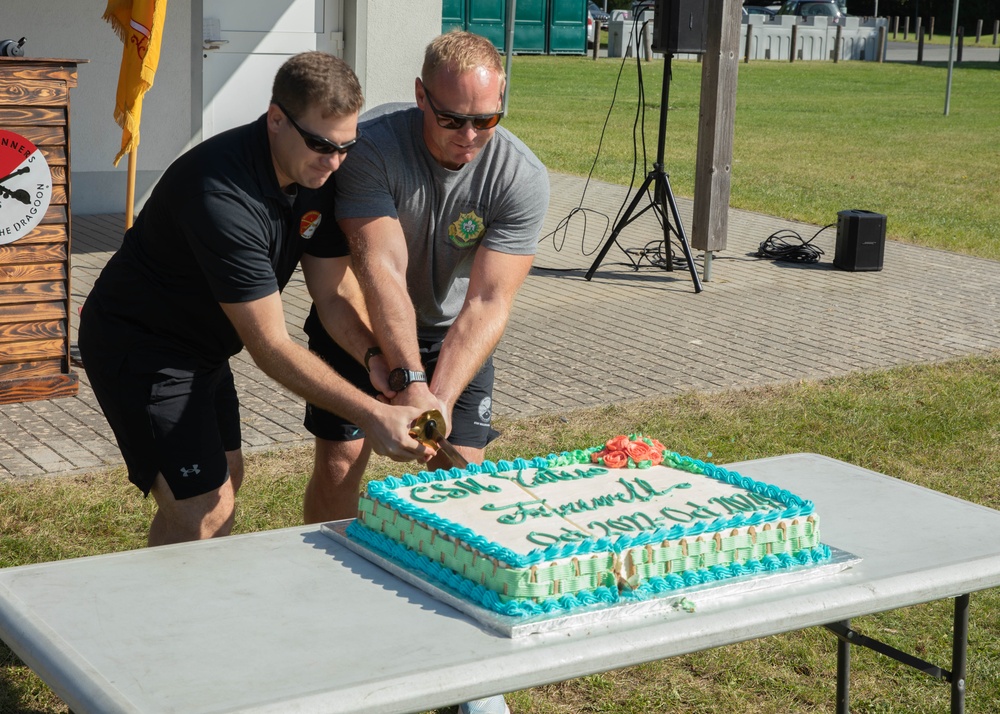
{"x":813,"y":8}
{"x":758,"y":10}
{"x":595,"y":14}
{"x":595,"y":11}
{"x":639,"y":6}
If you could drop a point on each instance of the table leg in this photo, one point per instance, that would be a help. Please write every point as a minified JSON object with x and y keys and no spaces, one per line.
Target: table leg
{"x":959,"y":654}
{"x":843,"y":671}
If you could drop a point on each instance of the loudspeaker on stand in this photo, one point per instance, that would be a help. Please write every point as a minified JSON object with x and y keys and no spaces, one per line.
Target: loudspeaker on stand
{"x":679,"y":26}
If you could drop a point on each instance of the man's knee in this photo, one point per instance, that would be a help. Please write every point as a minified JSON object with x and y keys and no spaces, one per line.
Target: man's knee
{"x":332,"y":492}
{"x":336,"y":461}
{"x":208,"y":515}
{"x":235,"y":461}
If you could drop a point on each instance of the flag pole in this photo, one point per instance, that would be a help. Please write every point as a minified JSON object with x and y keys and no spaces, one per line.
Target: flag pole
{"x":130,"y":189}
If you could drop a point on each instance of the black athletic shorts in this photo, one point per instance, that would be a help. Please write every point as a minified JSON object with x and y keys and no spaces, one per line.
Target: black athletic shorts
{"x":471,"y":417}
{"x":176,"y":422}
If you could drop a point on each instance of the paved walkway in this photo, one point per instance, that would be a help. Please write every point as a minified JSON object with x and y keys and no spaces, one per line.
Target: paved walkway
{"x":625,"y":335}
{"x":985,"y":51}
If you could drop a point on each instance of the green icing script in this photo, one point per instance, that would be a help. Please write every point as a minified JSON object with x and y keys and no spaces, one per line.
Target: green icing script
{"x":635,"y":490}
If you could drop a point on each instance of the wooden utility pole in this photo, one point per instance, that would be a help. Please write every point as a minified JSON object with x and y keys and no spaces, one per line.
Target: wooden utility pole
{"x":717,"y":119}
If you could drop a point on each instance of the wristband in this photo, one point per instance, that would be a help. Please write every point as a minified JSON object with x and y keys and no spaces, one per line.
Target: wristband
{"x":372,"y":351}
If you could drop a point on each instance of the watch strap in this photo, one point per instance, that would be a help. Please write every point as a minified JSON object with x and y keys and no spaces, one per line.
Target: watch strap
{"x":401,"y":378}
{"x":372,"y":351}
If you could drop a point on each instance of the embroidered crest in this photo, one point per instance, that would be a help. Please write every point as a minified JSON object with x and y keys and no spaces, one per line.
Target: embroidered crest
{"x":466,"y":230}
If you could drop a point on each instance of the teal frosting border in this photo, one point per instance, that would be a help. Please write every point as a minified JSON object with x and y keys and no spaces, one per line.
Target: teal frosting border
{"x":441,"y":576}
{"x":384,"y":492}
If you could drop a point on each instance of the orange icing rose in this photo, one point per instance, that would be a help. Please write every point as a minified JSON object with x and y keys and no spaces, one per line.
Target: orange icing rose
{"x":618,"y":443}
{"x":615,"y":459}
{"x":620,"y":451}
{"x":639,"y":451}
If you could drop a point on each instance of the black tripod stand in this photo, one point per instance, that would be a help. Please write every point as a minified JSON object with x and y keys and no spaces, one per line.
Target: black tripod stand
{"x":663,"y":197}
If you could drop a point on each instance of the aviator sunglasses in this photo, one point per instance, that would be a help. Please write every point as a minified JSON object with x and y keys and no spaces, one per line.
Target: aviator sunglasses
{"x":451,"y":120}
{"x":319,"y":144}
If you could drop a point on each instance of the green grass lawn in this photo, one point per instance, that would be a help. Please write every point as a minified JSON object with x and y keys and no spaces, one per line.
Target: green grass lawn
{"x":811,"y":139}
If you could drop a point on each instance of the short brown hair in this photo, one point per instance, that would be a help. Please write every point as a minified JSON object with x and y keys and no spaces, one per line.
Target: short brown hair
{"x":317,"y":79}
{"x":460,"y":52}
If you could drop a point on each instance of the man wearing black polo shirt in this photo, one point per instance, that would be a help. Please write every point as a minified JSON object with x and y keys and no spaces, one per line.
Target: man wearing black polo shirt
{"x":198,"y":277}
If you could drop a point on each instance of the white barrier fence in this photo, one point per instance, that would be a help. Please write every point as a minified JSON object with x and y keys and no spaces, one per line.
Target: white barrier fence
{"x":771,"y":38}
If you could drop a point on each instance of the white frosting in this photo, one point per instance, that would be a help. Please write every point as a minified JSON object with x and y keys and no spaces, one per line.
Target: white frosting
{"x":525,"y":510}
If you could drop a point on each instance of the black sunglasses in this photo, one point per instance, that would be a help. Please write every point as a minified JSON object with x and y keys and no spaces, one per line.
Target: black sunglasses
{"x":451,"y":120}
{"x":319,"y":144}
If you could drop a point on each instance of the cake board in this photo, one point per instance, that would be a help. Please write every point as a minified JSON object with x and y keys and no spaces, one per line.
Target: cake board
{"x":680,"y":601}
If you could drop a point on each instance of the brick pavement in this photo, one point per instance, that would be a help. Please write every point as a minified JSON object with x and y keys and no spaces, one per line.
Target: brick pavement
{"x":627,"y":334}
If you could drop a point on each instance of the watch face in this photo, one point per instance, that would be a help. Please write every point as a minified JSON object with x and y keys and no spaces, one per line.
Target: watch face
{"x":400,"y":379}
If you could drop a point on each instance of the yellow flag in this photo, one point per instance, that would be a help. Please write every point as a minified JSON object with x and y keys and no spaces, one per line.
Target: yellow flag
{"x":139,"y":24}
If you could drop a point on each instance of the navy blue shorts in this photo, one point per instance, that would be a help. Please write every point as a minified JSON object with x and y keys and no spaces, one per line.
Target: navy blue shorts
{"x":471,"y":417}
{"x":176,"y":422}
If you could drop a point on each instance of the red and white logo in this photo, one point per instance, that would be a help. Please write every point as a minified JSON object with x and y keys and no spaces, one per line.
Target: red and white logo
{"x":309,"y":223}
{"x":25,"y":186}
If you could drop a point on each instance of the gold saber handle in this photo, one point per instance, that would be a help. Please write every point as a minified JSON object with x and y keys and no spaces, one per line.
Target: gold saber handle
{"x":425,"y":426}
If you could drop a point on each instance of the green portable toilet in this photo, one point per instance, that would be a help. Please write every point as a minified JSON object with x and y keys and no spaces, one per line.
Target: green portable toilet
{"x":530,"y":21}
{"x":489,"y":19}
{"x":567,"y":27}
{"x":452,"y":15}
{"x":540,"y":26}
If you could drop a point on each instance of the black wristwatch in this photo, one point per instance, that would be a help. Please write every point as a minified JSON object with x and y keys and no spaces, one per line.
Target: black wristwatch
{"x":400,"y":379}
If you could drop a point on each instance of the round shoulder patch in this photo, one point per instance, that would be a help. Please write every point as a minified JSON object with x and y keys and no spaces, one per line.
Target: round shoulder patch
{"x":309,"y":223}
{"x":25,"y":186}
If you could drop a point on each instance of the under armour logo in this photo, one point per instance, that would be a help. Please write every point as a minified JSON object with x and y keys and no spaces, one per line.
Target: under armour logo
{"x":188,"y":472}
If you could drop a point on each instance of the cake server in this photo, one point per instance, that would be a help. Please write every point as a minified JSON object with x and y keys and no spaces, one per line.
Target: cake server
{"x":426,"y":430}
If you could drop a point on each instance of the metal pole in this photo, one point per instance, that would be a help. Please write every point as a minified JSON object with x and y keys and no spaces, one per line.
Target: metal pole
{"x":951,"y":56}
{"x":509,"y":47}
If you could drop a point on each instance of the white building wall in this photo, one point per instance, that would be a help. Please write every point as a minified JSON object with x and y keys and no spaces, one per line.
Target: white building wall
{"x":388,"y":56}
{"x":383,"y":42}
{"x":76,"y":30}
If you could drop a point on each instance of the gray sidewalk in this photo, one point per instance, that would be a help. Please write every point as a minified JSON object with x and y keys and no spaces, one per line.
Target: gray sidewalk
{"x":626,"y":335}
{"x":985,"y":51}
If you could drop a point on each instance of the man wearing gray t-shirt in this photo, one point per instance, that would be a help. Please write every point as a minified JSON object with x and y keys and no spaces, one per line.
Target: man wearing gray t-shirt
{"x":442,"y":209}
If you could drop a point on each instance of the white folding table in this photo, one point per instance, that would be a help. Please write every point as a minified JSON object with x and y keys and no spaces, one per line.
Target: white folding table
{"x":292,"y":621}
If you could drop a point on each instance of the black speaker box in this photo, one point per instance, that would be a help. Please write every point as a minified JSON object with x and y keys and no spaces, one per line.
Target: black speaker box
{"x":860,"y":240}
{"x":679,"y":26}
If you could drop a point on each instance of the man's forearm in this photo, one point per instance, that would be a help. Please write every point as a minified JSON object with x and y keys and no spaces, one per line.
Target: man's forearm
{"x":348,"y":328}
{"x":339,"y":303}
{"x":308,"y":376}
{"x":391,"y":311}
{"x":470,"y":341}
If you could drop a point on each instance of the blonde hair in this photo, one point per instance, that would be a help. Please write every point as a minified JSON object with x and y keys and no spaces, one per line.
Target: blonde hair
{"x":460,"y":52}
